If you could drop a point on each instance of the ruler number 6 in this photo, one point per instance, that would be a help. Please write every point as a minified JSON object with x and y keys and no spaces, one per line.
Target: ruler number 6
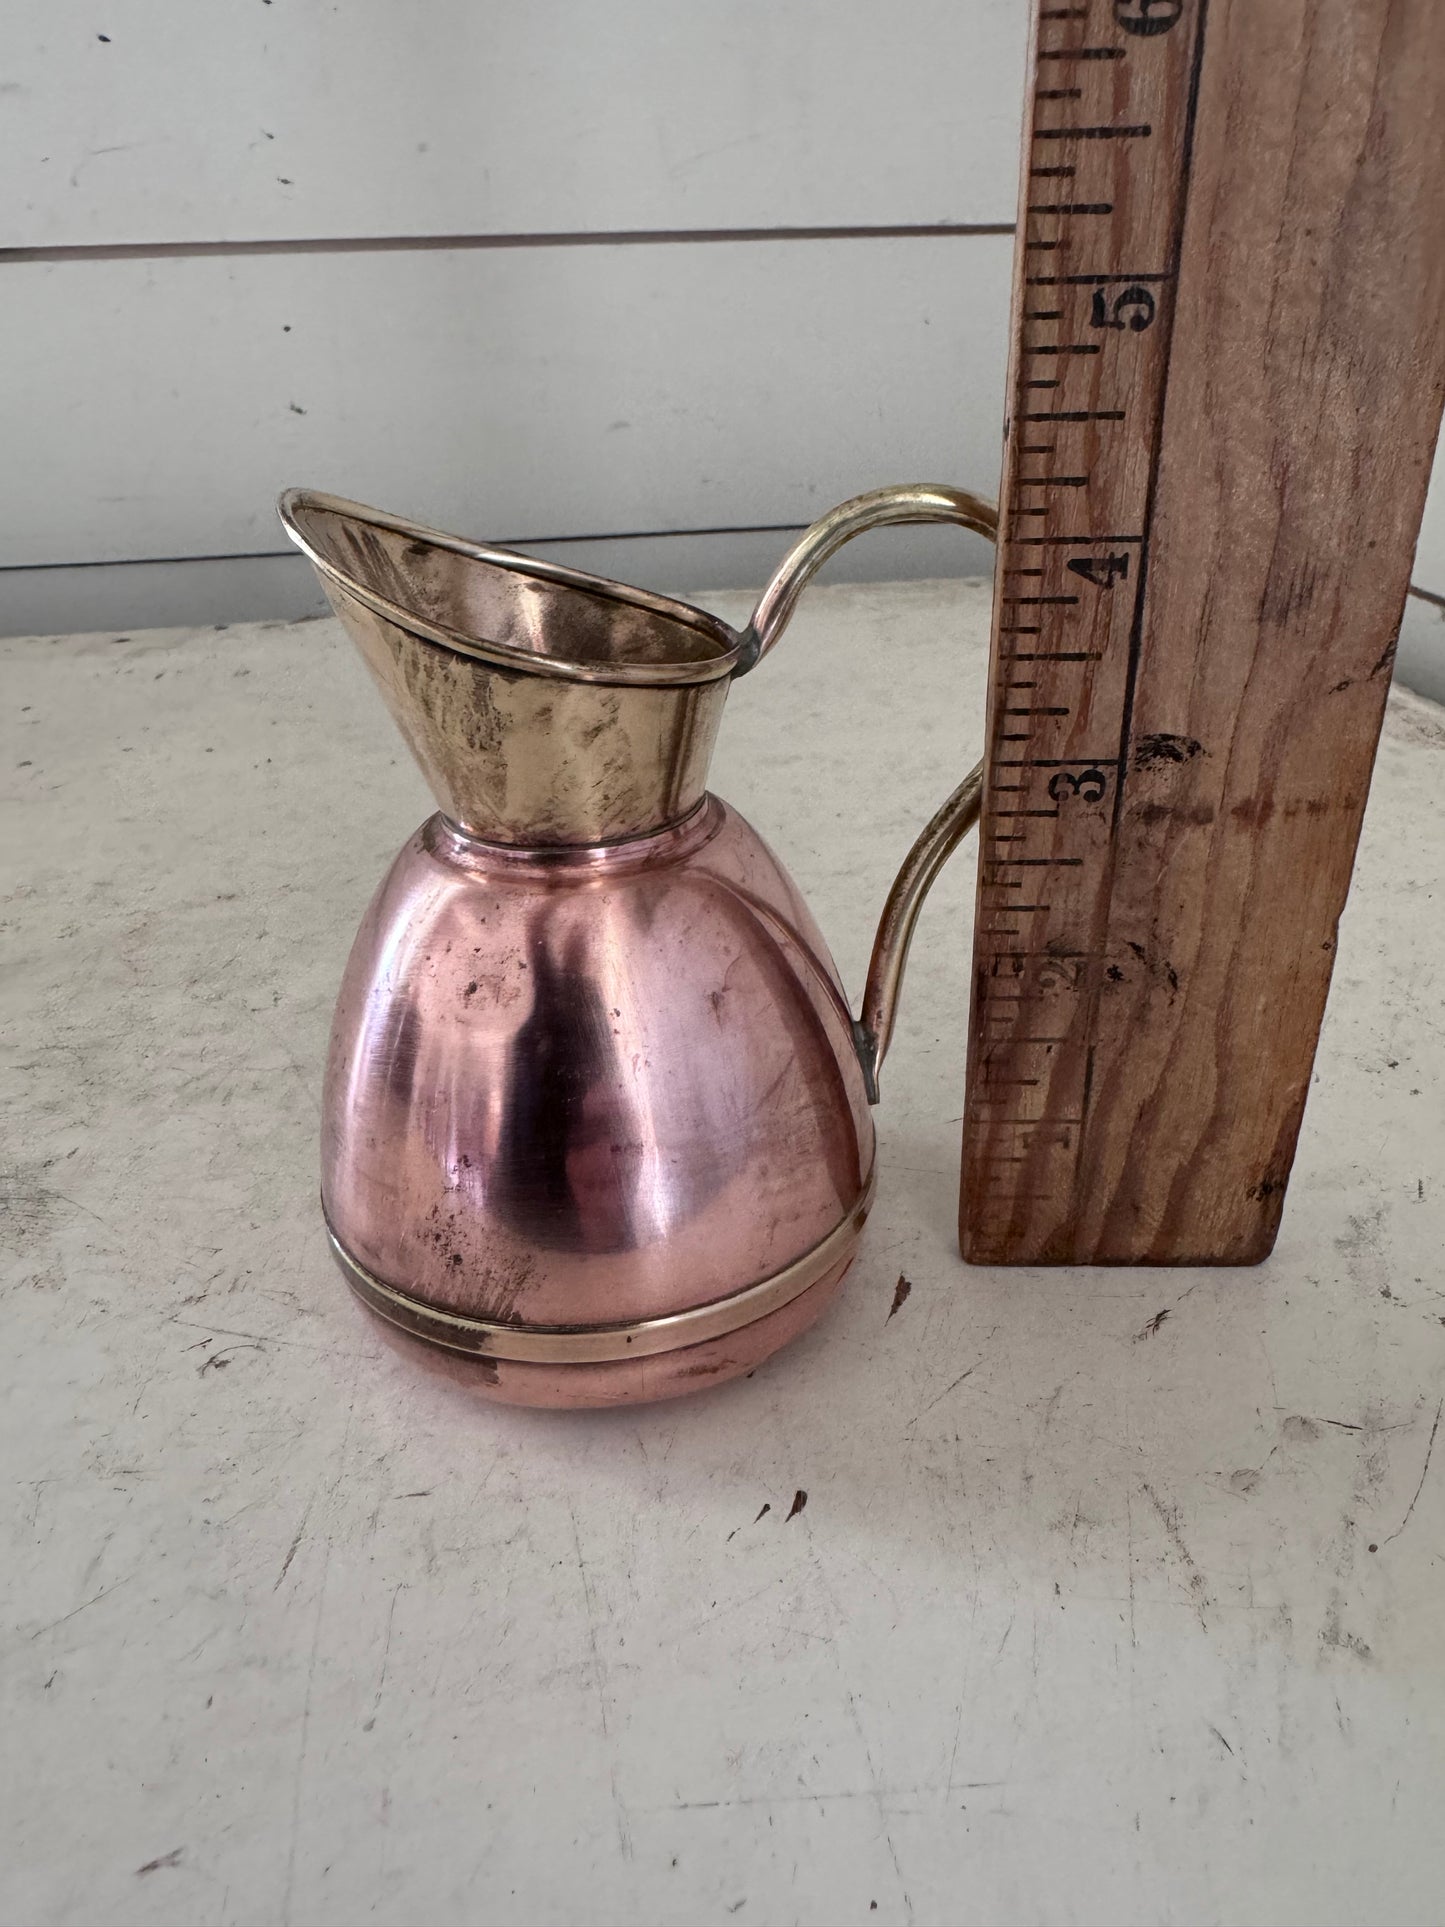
{"x":1147,"y":16}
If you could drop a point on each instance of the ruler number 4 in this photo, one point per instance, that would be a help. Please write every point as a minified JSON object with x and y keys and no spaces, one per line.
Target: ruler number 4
{"x":1102,"y":570}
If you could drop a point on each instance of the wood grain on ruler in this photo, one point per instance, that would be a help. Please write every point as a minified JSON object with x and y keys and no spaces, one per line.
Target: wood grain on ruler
{"x":1229,"y":360}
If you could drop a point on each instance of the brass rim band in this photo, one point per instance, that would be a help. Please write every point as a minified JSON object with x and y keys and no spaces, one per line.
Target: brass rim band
{"x":602,"y":1344}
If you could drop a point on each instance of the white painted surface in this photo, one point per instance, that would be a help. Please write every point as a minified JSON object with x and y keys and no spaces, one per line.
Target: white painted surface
{"x":298,"y":120}
{"x":540,"y":392}
{"x":1081,"y":1621}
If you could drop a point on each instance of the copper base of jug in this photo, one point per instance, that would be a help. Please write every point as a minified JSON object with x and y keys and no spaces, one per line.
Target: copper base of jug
{"x":640,"y":1381}
{"x":596,"y":1366}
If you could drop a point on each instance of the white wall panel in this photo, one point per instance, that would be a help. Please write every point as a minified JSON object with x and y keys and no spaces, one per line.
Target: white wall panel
{"x":155,"y":407}
{"x":162,"y":121}
{"x":1430,"y":555}
{"x":1420,"y":660}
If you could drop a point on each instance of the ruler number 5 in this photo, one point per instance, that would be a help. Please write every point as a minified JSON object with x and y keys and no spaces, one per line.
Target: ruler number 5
{"x":1133,"y":309}
{"x":1147,"y":16}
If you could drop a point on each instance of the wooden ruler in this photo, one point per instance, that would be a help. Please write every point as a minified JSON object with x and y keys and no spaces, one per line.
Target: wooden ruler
{"x":1227,"y":372}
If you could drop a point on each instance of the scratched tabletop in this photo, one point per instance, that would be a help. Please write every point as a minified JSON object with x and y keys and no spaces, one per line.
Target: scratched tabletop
{"x":1002,"y":1597}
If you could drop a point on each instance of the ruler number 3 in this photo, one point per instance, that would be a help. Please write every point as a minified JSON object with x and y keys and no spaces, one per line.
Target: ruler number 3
{"x":1147,"y":16}
{"x":1090,"y":785}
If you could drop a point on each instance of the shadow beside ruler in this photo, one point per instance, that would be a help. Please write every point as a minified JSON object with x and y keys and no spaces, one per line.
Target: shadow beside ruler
{"x":1226,"y":382}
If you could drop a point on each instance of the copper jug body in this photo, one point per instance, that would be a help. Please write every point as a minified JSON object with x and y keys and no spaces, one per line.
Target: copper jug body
{"x":596,"y":1111}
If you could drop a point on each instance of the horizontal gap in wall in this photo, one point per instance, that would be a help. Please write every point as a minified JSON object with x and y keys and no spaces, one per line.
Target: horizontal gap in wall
{"x":417,"y":243}
{"x":503,"y":542}
{"x":196,"y":593}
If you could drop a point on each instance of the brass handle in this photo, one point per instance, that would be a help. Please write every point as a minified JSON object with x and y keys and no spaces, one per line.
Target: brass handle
{"x":909,"y":502}
{"x":912,"y":502}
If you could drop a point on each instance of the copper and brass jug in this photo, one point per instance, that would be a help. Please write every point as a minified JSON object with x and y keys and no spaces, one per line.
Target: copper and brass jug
{"x":596,"y":1111}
